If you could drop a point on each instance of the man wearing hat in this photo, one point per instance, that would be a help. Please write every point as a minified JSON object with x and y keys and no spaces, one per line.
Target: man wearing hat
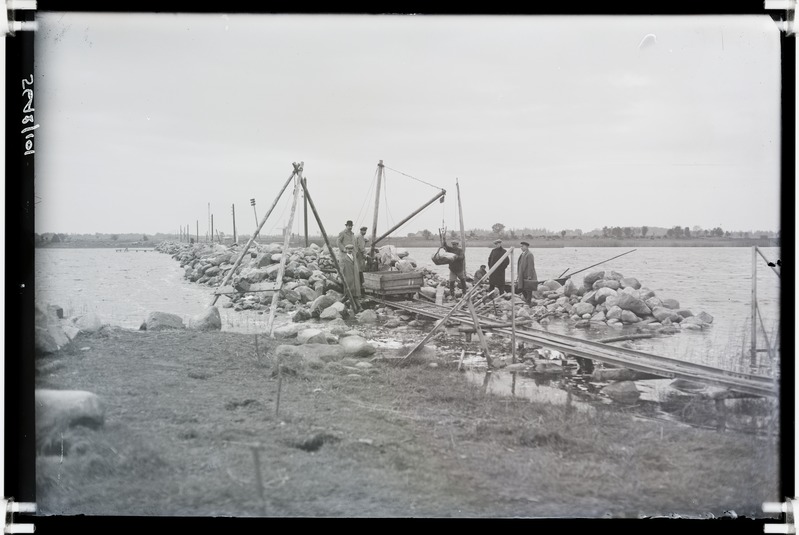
{"x":345,"y":237}
{"x":456,"y":271}
{"x":360,"y":250}
{"x":528,"y":280}
{"x":497,"y":278}
{"x":350,"y":271}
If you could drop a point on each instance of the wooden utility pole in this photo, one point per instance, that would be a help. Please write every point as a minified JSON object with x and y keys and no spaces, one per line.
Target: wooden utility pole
{"x":212,"y":227}
{"x":270,"y":326}
{"x":513,"y":308}
{"x":255,"y":234}
{"x":198,"y":231}
{"x":235,"y":238}
{"x":753,"y":348}
{"x":305,"y":203}
{"x":209,"y":222}
{"x":463,"y":232}
{"x":355,"y":305}
{"x":373,"y":261}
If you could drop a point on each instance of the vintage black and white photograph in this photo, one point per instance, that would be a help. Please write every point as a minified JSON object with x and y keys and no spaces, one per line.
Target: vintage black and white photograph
{"x":428,"y":266}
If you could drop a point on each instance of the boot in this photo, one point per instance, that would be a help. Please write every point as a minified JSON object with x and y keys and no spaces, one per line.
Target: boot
{"x":452,"y":289}
{"x":463,"y":286}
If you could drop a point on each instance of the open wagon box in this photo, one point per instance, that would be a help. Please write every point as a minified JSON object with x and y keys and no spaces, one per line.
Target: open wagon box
{"x":385,"y":283}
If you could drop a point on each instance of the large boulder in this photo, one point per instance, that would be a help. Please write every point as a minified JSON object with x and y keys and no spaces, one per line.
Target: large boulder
{"x":629,"y":317}
{"x":633,"y":304}
{"x":583,"y":308}
{"x":307,"y":294}
{"x":330,"y":313}
{"x":662,"y":314}
{"x":311,"y":336}
{"x":311,"y":352}
{"x":321,"y":303}
{"x":289,"y":330}
{"x":356,"y":346}
{"x":366,"y":316}
{"x":705,"y":317}
{"x":591,"y":278}
{"x":163,"y":321}
{"x":622,"y":391}
{"x":569,"y":288}
{"x":208,"y":320}
{"x":603,"y":293}
{"x":57,"y":410}
{"x":671,"y":303}
{"x":630,"y":282}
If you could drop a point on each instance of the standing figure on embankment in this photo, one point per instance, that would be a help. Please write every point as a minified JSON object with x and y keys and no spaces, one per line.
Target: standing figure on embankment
{"x":360,"y":250}
{"x":345,"y":237}
{"x":528,"y":280}
{"x":350,"y":271}
{"x":497,"y":278}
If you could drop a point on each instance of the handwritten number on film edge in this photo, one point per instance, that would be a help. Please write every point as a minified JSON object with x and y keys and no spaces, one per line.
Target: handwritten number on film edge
{"x":28,"y":109}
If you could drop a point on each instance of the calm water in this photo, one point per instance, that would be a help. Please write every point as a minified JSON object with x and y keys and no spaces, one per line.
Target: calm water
{"x":122,"y":288}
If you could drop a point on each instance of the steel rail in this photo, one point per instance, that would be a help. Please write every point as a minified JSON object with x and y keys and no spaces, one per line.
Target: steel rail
{"x":629,"y":358}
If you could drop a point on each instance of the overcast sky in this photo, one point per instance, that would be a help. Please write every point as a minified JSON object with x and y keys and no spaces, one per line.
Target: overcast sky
{"x":545,"y":122}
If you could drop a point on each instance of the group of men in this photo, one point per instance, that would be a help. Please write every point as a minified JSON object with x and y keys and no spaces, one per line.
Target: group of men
{"x":352,"y":257}
{"x":527,"y":280}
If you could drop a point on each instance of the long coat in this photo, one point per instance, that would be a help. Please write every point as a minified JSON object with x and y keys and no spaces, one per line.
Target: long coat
{"x":345,"y":237}
{"x":526,"y":270}
{"x":497,"y":278}
{"x":352,"y":275}
{"x":360,"y":250}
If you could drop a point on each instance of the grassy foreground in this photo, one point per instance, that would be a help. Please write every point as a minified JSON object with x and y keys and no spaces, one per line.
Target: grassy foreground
{"x":201,"y":424}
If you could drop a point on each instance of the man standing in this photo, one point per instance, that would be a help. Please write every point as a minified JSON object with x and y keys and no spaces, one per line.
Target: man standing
{"x":455,"y":267}
{"x":360,"y":250}
{"x":528,"y":280}
{"x":350,"y":271}
{"x":497,"y":278}
{"x":345,"y":237}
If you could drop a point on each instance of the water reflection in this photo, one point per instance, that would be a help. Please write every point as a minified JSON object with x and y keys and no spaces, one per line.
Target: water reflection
{"x":516,"y":385}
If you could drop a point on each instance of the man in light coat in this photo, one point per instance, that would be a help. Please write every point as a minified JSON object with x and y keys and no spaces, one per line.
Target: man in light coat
{"x":360,"y":250}
{"x":527,"y":278}
{"x":345,"y":237}
{"x":350,"y":271}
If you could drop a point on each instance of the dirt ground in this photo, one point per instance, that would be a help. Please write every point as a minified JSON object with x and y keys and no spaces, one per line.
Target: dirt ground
{"x":201,"y":424}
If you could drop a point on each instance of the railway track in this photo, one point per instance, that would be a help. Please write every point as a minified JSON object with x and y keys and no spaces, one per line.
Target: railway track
{"x":666,"y":367}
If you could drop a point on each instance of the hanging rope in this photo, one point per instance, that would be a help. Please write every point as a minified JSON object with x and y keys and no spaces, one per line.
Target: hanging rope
{"x":413,"y":177}
{"x":367,"y":197}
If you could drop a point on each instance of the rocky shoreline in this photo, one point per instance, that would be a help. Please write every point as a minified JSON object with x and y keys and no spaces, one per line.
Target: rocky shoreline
{"x":312,"y":289}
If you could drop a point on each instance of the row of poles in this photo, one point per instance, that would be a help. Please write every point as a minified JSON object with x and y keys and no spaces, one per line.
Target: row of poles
{"x":185,"y":234}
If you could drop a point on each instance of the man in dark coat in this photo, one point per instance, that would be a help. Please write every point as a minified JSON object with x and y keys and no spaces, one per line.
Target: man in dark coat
{"x":528,"y":280}
{"x":497,"y":278}
{"x":456,"y":271}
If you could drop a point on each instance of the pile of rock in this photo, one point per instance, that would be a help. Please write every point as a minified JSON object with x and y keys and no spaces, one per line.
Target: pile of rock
{"x":611,"y":299}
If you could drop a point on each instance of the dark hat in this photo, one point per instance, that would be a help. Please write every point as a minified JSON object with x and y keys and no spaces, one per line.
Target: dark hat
{"x":497,"y":241}
{"x":525,"y":243}
{"x":348,"y":224}
{"x":363,"y":228}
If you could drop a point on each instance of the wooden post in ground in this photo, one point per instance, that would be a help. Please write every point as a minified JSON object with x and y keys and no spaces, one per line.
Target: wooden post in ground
{"x":513,"y":309}
{"x":255,"y":234}
{"x":459,"y":304}
{"x":374,"y":219}
{"x":463,"y":233}
{"x":212,"y":228}
{"x":305,"y":203}
{"x":753,"y":347}
{"x":270,"y":326}
{"x":235,"y":238}
{"x":480,"y":334}
{"x":198,"y":231}
{"x":355,"y":306}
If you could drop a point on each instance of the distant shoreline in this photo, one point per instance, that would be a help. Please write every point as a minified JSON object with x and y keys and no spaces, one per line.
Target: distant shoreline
{"x":535,"y":243}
